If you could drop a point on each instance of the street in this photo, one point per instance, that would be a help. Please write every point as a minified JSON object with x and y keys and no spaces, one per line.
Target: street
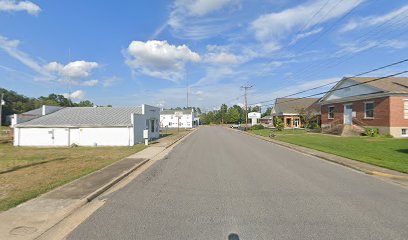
{"x":222,"y":184}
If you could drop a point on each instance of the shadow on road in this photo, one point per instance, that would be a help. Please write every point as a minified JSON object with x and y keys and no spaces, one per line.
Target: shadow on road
{"x":233,"y":236}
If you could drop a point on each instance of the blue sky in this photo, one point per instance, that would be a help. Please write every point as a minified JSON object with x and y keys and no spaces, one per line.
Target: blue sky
{"x":132,"y":52}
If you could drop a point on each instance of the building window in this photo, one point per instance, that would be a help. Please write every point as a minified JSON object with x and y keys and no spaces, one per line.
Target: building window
{"x":406,"y":108}
{"x":170,"y":123}
{"x":369,"y":110}
{"x":404,"y":132}
{"x":330,"y":112}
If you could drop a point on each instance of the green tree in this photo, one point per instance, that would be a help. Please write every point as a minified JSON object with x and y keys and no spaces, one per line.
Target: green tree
{"x":268,"y":112}
{"x":233,"y":115}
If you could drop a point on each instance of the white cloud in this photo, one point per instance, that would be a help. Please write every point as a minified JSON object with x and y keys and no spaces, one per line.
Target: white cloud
{"x":73,"y":70}
{"x":202,"y":7}
{"x":90,"y":83}
{"x":305,"y":35}
{"x":11,"y":47}
{"x":160,"y":59}
{"x":194,"y":19}
{"x":274,"y":27}
{"x":76,"y":95}
{"x":397,"y":17}
{"x":356,"y":47}
{"x":14,"y":6}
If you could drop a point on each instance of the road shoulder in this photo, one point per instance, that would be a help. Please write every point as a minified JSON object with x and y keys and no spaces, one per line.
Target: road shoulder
{"x":383,"y":173}
{"x":35,"y":217}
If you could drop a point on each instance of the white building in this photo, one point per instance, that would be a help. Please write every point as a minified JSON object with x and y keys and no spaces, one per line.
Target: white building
{"x":89,"y":126}
{"x":178,"y":118}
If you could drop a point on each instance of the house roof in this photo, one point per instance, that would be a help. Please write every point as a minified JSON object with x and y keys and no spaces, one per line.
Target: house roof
{"x":293,"y":105}
{"x":37,"y":111}
{"x":391,"y":85}
{"x":85,"y":116}
{"x":168,"y":111}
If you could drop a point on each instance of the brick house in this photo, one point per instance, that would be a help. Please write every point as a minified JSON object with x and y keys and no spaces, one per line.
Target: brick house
{"x":381,"y":104}
{"x":289,"y":109}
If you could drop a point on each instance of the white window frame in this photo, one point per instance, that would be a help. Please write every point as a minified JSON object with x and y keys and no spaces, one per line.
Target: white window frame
{"x":365,"y":110}
{"x":406,"y":132}
{"x":405,"y":101}
{"x":328,"y":111}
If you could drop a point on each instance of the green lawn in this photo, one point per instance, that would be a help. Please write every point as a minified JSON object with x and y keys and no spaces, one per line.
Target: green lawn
{"x":26,"y":172}
{"x":267,"y":132}
{"x":384,"y":152}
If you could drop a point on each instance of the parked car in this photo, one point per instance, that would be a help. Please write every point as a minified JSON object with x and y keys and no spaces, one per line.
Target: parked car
{"x":235,"y":126}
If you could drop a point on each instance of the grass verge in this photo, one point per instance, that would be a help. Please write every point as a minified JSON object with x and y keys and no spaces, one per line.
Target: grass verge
{"x":28,"y":172}
{"x":380,"y":151}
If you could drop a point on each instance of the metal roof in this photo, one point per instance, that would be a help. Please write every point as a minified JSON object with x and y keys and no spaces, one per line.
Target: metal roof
{"x":85,"y":117}
{"x":171,"y":112}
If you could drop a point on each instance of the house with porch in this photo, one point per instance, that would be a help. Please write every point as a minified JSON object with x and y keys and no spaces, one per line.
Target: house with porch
{"x":290,"y":110}
{"x":354,"y":104}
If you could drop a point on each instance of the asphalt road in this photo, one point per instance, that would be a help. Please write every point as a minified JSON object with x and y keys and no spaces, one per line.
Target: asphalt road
{"x":221,"y":184}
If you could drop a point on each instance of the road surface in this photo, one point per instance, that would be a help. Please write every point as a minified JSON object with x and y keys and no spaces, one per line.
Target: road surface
{"x":222,"y":184}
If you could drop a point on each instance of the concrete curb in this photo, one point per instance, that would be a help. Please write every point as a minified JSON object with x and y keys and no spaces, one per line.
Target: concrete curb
{"x":321,"y":155}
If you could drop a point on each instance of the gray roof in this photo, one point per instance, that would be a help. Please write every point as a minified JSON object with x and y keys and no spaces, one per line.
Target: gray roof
{"x":185,"y":111}
{"x":37,"y":111}
{"x":391,"y":84}
{"x":85,"y":117}
{"x":294,"y":105}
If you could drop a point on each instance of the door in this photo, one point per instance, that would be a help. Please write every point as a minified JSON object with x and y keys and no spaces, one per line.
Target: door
{"x":74,"y":136}
{"x":296,"y":123}
{"x":348,"y":114}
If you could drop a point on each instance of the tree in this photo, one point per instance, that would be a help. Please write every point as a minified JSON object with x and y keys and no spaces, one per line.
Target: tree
{"x":233,"y":115}
{"x":268,"y":112}
{"x":85,"y":103}
{"x":307,"y":116}
{"x":278,"y":124}
{"x":256,"y":109}
{"x":223,"y":112}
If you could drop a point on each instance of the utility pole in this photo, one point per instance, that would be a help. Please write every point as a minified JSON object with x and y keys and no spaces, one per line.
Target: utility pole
{"x":246,"y":87}
{"x":1,"y":108}
{"x":187,"y":91}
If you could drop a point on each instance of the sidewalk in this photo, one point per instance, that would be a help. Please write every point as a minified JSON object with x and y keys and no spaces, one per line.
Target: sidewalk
{"x":384,"y":173}
{"x":32,"y":218}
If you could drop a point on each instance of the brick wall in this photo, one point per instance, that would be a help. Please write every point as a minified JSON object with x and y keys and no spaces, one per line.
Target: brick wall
{"x":381,"y":112}
{"x":397,"y":111}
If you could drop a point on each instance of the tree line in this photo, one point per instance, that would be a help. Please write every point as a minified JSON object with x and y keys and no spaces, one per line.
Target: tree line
{"x":234,"y":114}
{"x":17,"y":103}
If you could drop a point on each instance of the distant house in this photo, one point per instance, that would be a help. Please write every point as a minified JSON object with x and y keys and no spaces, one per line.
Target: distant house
{"x":178,"y":118}
{"x":291,"y":109}
{"x":355,"y":102}
{"x":266,"y":120}
{"x":89,"y":126}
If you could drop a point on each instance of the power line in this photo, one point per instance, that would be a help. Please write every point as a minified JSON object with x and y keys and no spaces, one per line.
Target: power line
{"x":367,"y":35}
{"x":327,"y":84}
{"x":353,"y":85}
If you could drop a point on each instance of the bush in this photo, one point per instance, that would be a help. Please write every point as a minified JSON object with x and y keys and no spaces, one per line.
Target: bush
{"x":372,"y":132}
{"x":257,"y":127}
{"x":279,"y":124}
{"x":313,"y":125}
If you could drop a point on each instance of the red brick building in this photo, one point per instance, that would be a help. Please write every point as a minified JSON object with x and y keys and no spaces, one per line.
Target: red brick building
{"x":381,"y":104}
{"x":289,"y":110}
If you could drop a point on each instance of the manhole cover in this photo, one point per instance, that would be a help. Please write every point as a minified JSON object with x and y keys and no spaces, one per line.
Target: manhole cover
{"x":23,"y":230}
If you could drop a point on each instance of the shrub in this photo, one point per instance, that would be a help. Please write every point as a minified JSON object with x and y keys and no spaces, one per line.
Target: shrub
{"x":313,"y":125}
{"x":257,"y":127}
{"x":279,"y":124}
{"x":372,"y":132}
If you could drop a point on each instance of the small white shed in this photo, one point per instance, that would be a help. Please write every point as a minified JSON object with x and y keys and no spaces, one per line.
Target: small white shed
{"x":89,"y":126}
